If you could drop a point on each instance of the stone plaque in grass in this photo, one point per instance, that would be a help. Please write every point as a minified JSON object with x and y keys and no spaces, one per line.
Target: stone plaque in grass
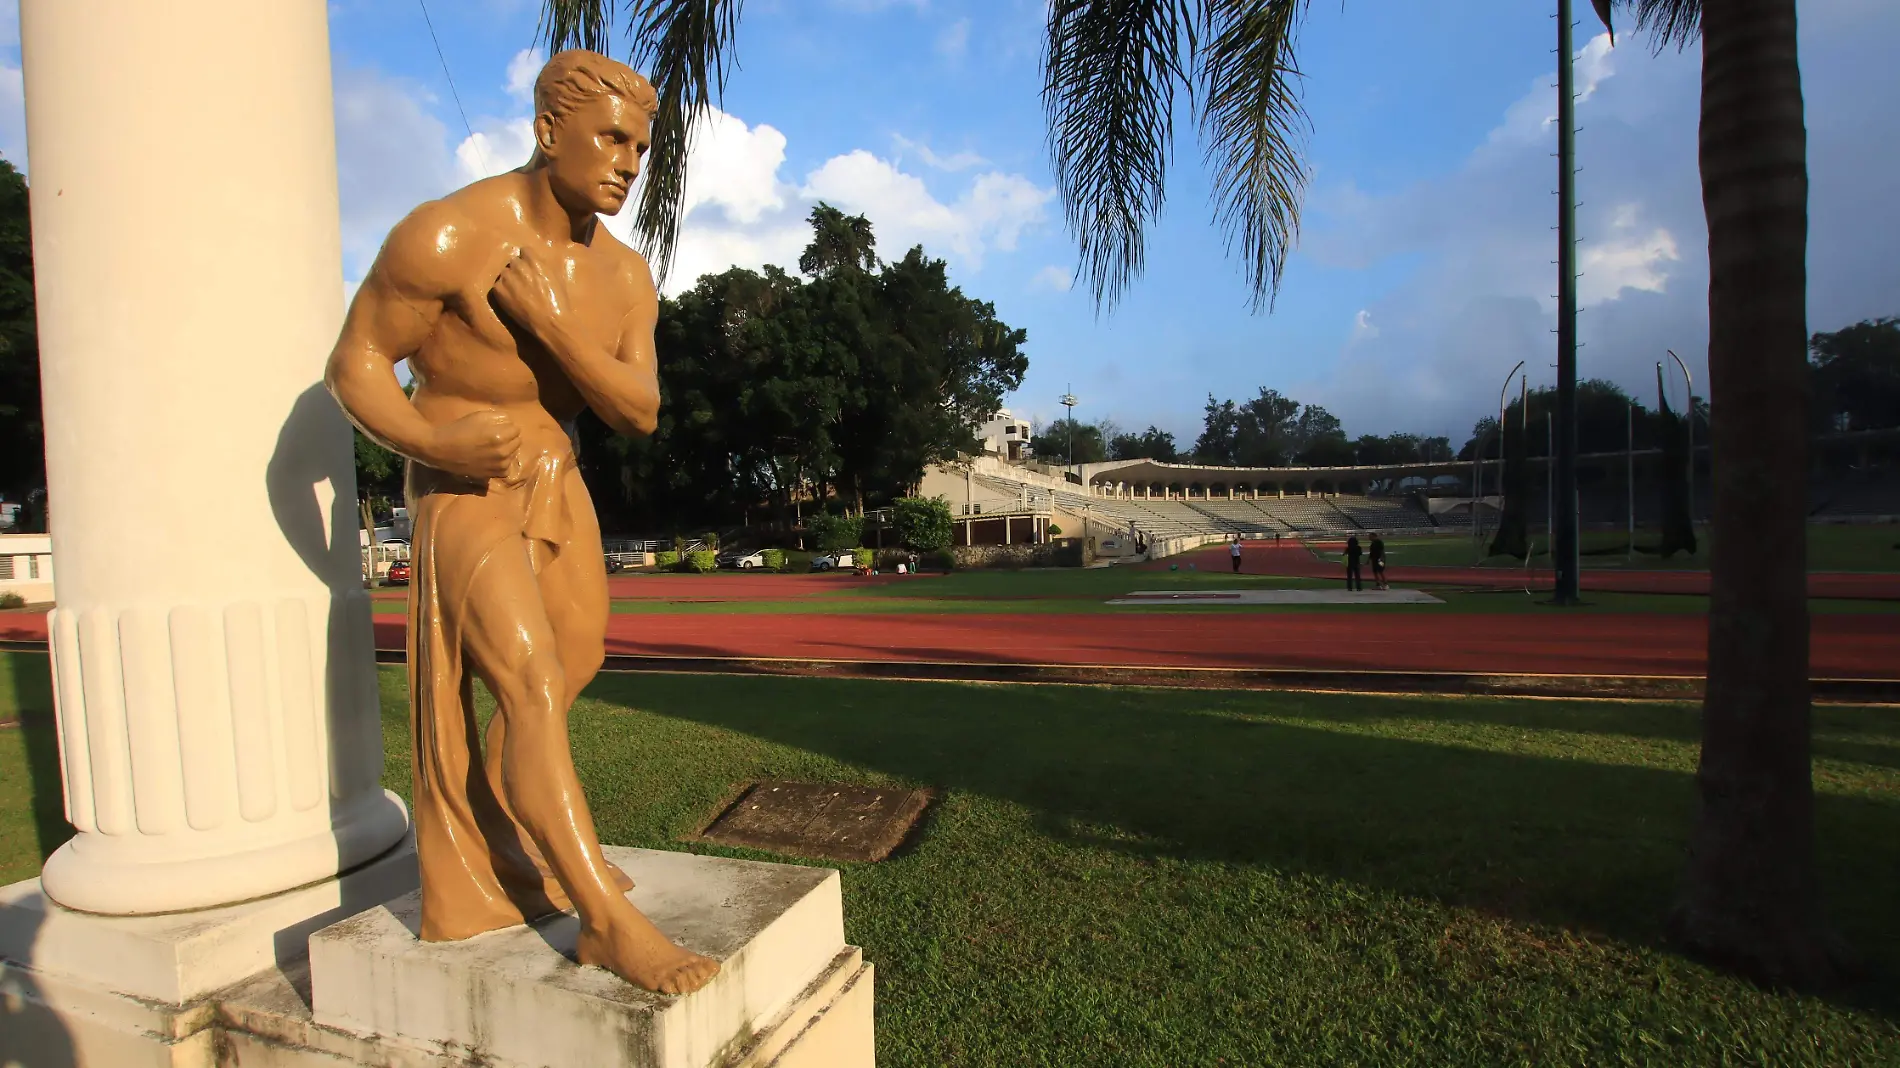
{"x":820,"y":821}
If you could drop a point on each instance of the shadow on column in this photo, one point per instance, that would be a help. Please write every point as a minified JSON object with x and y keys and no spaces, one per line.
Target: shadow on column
{"x":313,"y":448}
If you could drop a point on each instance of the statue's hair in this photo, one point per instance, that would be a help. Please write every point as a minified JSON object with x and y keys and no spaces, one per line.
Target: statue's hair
{"x":573,"y":77}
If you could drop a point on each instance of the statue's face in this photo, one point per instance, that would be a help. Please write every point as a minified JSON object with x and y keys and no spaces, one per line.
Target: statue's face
{"x":593,"y":152}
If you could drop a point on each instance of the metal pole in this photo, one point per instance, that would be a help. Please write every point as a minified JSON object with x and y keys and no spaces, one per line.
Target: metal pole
{"x":1550,"y":490}
{"x":1565,"y":558}
{"x":1629,"y":483}
{"x":1690,"y":381}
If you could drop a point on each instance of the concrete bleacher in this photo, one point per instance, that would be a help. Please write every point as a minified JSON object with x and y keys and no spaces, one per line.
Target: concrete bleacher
{"x":1208,"y":516}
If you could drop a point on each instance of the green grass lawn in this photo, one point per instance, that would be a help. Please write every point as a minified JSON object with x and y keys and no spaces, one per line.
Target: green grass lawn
{"x":1831,"y":547}
{"x":1171,"y":878}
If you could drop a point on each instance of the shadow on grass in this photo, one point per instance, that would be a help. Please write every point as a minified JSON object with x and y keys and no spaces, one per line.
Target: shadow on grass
{"x":1212,"y":777}
{"x":26,"y":694}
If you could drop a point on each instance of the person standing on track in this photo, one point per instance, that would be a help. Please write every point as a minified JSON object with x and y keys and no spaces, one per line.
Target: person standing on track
{"x":1377,"y":552}
{"x":1353,"y":581}
{"x":1233,"y":550}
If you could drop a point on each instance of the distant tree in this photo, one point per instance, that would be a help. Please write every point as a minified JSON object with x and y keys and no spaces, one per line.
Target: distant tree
{"x":833,"y":533}
{"x":923,"y":523}
{"x":1053,"y":445}
{"x":22,"y":436}
{"x":839,"y":242}
{"x":1150,"y":444}
{"x":1855,"y":375}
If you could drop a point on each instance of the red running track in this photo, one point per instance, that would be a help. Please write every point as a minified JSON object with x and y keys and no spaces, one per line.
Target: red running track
{"x":1291,"y":558}
{"x":1844,"y":646}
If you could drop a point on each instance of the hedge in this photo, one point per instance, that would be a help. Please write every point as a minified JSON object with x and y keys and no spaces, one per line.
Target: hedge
{"x":666,"y":560}
{"x":703,"y":561}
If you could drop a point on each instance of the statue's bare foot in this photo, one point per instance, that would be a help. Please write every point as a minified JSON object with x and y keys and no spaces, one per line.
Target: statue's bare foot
{"x":629,"y":946}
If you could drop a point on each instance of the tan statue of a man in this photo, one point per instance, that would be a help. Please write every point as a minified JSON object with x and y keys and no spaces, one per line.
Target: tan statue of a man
{"x":515,"y":309}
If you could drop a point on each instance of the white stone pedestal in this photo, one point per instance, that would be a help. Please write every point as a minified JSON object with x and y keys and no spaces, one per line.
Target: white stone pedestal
{"x":231,"y":988}
{"x":516,"y":998}
{"x":79,"y":990}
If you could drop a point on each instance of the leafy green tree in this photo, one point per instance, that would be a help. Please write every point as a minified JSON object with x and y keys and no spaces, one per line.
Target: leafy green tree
{"x":923,"y":523}
{"x":839,"y":242}
{"x":834,"y":533}
{"x":1150,"y":444}
{"x":1066,"y":438}
{"x":22,"y":433}
{"x":1855,"y":372}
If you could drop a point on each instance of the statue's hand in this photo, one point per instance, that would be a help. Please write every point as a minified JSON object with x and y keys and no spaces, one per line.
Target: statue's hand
{"x":527,"y":294}
{"x":479,"y":445}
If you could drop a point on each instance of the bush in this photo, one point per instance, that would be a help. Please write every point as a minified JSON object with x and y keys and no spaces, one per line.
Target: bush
{"x":945,"y":558}
{"x":10,"y":600}
{"x":702,"y":561}
{"x":832,"y":533}
{"x":774,"y":559}
{"x":924,"y":523}
{"x":863,"y":558}
{"x":666,"y":560}
{"x":1055,"y":531}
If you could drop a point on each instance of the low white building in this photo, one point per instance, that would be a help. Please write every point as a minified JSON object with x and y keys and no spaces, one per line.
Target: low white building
{"x":26,"y":566}
{"x":1005,"y":436}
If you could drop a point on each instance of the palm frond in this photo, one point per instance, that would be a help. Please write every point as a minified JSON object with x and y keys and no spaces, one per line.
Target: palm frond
{"x":1253,"y":131}
{"x":685,"y":48}
{"x":576,"y":24}
{"x":1109,"y":78}
{"x":1677,"y":22}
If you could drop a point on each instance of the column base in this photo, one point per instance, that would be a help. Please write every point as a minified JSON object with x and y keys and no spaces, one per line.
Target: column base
{"x":78,"y":990}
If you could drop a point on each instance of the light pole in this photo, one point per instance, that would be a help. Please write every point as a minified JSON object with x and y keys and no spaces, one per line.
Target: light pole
{"x":1068,"y":401}
{"x":1565,"y":550}
{"x":1689,"y":380}
{"x":1478,"y":456}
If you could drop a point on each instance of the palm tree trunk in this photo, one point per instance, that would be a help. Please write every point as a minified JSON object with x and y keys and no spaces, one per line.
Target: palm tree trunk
{"x":1751,"y":900}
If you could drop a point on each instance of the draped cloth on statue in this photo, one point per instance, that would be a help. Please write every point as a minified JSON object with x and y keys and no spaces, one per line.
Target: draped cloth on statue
{"x":480,"y":869}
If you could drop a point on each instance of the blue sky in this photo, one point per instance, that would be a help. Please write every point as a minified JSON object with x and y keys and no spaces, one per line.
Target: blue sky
{"x":1423,"y":271}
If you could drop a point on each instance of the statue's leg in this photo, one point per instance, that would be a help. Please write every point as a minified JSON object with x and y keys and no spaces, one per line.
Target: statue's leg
{"x":575,"y":580}
{"x":512,"y":645}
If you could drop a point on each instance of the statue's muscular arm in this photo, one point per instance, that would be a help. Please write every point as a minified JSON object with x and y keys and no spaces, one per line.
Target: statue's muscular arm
{"x":620,"y":383}
{"x":425,"y":262}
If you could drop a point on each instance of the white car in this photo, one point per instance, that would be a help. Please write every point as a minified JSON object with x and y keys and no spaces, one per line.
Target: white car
{"x":832,"y":561}
{"x":743,"y":561}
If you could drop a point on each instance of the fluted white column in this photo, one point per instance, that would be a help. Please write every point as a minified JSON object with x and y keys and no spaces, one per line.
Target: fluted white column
{"x":212,"y":655}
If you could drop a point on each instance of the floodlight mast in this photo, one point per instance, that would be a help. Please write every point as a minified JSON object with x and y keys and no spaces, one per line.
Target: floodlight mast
{"x":1068,"y":401}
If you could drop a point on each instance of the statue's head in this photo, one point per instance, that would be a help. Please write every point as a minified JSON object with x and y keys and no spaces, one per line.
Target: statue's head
{"x":593,"y":120}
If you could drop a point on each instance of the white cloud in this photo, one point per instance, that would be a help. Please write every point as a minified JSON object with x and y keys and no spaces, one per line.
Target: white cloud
{"x":498,"y":147}
{"x":1629,"y":258}
{"x":392,"y":155}
{"x":956,"y":161}
{"x":991,"y":214}
{"x":522,"y":71}
{"x":1534,"y":115}
{"x":1056,"y":279}
{"x":954,"y":41}
{"x":1362,"y":327}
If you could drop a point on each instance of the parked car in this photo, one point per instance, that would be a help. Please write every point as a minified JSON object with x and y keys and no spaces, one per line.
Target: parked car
{"x":398,"y":574}
{"x":831,"y":561}
{"x":741,"y":560}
